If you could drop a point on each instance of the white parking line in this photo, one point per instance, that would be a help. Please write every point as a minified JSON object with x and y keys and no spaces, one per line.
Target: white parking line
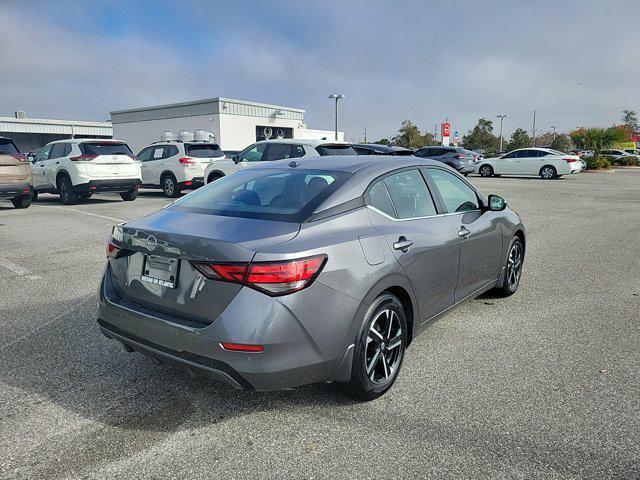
{"x":111,"y":219}
{"x":17,"y":269}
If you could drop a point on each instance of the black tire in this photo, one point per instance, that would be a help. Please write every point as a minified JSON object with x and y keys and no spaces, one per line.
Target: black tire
{"x":23,"y":201}
{"x":129,"y":195}
{"x":68,"y":196}
{"x":513,"y":268}
{"x":34,"y":196}
{"x":213,"y":177}
{"x":169,"y":186}
{"x":486,"y":171}
{"x":548,"y":172}
{"x":85,"y":196}
{"x":376,"y":366}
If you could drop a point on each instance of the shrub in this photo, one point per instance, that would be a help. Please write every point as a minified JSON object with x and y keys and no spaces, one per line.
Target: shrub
{"x":633,"y":161}
{"x":601,"y":162}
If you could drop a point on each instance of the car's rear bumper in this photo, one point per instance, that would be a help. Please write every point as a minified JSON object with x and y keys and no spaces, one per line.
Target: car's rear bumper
{"x":195,"y":182}
{"x":467,"y":169}
{"x":290,"y":356}
{"x":115,"y":185}
{"x":14,"y":189}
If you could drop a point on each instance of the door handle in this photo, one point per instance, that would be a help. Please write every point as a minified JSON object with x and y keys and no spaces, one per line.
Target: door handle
{"x":57,"y":163}
{"x":402,"y":244}
{"x":463,"y":232}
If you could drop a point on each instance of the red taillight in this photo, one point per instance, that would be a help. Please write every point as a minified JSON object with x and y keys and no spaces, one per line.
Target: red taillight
{"x":186,"y":161}
{"x":187,"y":184}
{"x":570,"y":160}
{"x":20,"y":157}
{"x":459,"y":157}
{"x":83,"y":158}
{"x":112,"y":250}
{"x":272,"y":278}
{"x":240,"y":347}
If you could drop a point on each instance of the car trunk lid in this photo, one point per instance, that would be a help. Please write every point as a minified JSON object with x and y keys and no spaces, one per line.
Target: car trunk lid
{"x":157,"y":248}
{"x":108,"y":160}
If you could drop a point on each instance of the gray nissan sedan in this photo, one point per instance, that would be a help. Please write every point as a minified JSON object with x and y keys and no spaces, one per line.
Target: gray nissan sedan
{"x":322,"y":269}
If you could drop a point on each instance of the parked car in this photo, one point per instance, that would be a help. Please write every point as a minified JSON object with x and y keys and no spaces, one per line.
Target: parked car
{"x":322,"y":269}
{"x":377,"y":149}
{"x":15,"y":175}
{"x":271,"y":150}
{"x":175,"y":165}
{"x":632,"y":151}
{"x":78,"y":168}
{"x":458,"y":158}
{"x":543,"y":162}
{"x":615,"y":153}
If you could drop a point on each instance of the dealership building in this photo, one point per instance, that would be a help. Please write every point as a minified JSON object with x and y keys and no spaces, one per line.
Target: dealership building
{"x":32,"y":133}
{"x":234,"y":124}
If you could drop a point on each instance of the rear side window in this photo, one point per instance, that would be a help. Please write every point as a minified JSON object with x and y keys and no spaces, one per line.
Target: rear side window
{"x":206,"y":150}
{"x":268,"y":194}
{"x":297,"y":151}
{"x":336,"y":150}
{"x":58,"y":150}
{"x":456,"y":194}
{"x":278,"y":151}
{"x":105,"y":148}
{"x":410,"y":195}
{"x":170,"y":151}
{"x":8,"y":148}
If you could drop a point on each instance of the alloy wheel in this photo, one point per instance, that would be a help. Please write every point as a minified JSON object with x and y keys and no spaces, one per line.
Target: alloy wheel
{"x":169,"y":186}
{"x":514,"y":266}
{"x":547,"y":173}
{"x":383,"y":352}
{"x":485,"y":171}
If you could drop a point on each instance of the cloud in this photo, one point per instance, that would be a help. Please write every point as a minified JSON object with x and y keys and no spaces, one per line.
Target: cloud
{"x":426,"y":61}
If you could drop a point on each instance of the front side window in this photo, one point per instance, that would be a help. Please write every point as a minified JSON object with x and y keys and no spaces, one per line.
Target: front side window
{"x":268,"y":194}
{"x":145,"y":155}
{"x":253,"y":153}
{"x":511,"y":155}
{"x":297,"y":151}
{"x":456,"y":194}
{"x":44,"y":153}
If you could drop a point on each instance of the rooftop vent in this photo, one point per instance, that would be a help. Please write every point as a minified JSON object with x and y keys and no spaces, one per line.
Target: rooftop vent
{"x":21,"y":115}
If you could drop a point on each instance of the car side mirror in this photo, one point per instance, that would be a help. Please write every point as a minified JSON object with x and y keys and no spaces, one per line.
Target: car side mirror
{"x":497,"y":203}
{"x":235,"y":158}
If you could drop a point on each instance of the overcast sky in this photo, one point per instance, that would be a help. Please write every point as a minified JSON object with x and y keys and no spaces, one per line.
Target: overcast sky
{"x":575,"y":62}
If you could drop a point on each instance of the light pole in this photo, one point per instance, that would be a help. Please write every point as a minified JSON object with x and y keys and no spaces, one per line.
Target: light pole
{"x":337,"y":97}
{"x":553,"y":127}
{"x":501,"y":117}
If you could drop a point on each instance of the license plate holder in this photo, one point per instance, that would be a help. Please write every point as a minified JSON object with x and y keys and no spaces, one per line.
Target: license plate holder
{"x":160,"y":270}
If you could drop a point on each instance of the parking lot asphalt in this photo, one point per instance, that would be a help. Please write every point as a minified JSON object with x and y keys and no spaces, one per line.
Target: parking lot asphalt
{"x":544,"y":384}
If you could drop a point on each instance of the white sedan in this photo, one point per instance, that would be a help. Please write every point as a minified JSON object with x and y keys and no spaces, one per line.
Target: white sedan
{"x":543,"y":162}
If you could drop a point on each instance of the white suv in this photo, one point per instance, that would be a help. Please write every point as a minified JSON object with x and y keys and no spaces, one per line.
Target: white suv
{"x":271,"y":150}
{"x":174,"y":165}
{"x":78,"y":168}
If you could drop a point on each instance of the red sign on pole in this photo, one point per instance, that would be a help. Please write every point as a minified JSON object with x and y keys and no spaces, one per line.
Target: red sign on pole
{"x":446,"y":129}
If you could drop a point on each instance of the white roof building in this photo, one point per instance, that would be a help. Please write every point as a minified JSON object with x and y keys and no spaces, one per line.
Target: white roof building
{"x":32,"y":133}
{"x":234,"y":123}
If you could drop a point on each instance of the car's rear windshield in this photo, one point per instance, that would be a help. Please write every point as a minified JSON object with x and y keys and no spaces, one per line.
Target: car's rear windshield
{"x":105,"y":148}
{"x":203,"y":150}
{"x":7,"y":147}
{"x":336,"y":150}
{"x":288,"y":195}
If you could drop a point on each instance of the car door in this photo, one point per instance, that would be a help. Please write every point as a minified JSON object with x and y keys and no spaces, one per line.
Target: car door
{"x":420,"y":237}
{"x":156,"y":164}
{"x":250,"y":156}
{"x":479,"y":231}
{"x":52,"y":164}
{"x":527,"y":162}
{"x":277,"y":151}
{"x":145,"y":166}
{"x":38,"y":166}
{"x":508,"y":164}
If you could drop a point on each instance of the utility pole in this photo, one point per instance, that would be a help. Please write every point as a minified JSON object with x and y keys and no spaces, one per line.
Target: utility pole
{"x":501,"y":117}
{"x":553,"y":127}
{"x":435,"y":132}
{"x":533,"y":130}
{"x":365,"y":134}
{"x":337,"y":96}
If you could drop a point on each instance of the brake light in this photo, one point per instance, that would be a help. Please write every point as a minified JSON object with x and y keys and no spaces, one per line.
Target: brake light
{"x":240,"y":347}
{"x":186,"y":161}
{"x":459,"y":156}
{"x":570,"y":160}
{"x":272,"y":278}
{"x":20,"y":157}
{"x":112,"y":250}
{"x":83,"y":158}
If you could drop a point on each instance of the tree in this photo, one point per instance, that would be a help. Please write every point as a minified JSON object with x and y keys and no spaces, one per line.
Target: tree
{"x":544,"y":140}
{"x":562,"y":142}
{"x":597,"y":139}
{"x":383,"y":141}
{"x":630,"y":120}
{"x":482,"y":137}
{"x":409,"y":136}
{"x":519,"y":139}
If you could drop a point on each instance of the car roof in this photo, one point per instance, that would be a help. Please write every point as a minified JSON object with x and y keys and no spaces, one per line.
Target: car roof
{"x":382,"y":148}
{"x":83,"y":140}
{"x":301,"y":141}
